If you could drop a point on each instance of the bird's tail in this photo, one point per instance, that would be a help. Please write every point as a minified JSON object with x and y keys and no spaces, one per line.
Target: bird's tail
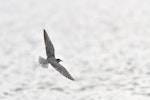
{"x":43,"y":62}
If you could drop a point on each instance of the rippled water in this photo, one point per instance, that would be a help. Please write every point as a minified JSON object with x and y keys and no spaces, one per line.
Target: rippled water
{"x":105,"y":45}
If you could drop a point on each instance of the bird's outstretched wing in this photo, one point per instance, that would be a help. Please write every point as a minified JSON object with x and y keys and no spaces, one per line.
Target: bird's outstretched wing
{"x":62,"y":70}
{"x":48,"y":45}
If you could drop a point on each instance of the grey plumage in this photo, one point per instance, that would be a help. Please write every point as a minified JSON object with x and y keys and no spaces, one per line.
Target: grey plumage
{"x":43,"y":62}
{"x":51,"y":58}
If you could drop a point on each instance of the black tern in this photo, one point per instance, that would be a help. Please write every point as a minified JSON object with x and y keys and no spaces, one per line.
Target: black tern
{"x":50,"y":52}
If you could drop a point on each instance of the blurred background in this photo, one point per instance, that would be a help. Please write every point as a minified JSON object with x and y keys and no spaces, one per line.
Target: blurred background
{"x":105,"y":45}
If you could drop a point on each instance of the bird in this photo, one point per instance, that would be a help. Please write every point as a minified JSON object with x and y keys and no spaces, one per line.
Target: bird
{"x":51,"y":59}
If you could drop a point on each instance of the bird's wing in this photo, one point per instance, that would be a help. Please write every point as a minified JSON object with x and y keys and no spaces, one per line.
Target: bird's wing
{"x":62,"y":70}
{"x":48,"y":45}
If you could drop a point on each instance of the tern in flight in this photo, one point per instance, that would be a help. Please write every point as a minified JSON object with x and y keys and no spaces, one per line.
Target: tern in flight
{"x":50,"y":51}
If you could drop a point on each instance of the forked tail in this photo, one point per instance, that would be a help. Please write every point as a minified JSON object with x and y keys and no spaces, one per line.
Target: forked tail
{"x":43,"y":62}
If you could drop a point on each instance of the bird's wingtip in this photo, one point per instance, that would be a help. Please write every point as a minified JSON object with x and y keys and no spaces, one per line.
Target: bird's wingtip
{"x":71,"y":78}
{"x":44,"y":30}
{"x":45,"y":33}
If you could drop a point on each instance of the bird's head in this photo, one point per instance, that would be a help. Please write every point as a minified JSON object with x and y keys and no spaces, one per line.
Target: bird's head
{"x":58,"y":60}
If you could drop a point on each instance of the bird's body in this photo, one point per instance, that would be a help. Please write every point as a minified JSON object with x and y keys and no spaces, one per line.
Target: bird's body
{"x":51,"y":58}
